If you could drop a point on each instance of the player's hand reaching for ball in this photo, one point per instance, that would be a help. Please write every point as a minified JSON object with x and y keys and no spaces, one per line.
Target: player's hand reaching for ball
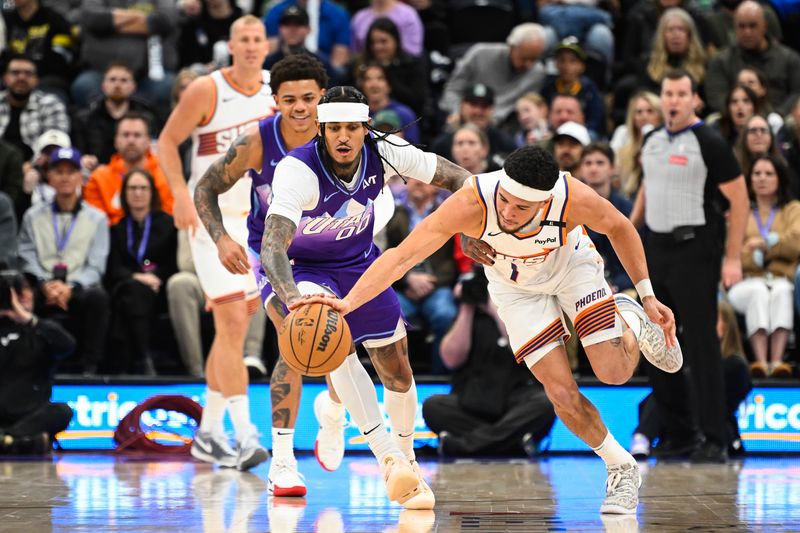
{"x":661,"y":315}
{"x":342,"y":306}
{"x":232,"y":255}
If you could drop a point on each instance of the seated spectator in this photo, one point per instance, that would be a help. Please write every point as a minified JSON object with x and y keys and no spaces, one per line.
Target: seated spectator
{"x":676,"y":44}
{"x":186,"y":301}
{"x":754,"y":47}
{"x":477,"y":107}
{"x":204,"y":36}
{"x":583,"y":19}
{"x":568,"y":144}
{"x":63,"y":247}
{"x":8,"y":232}
{"x":45,"y":36}
{"x":425,"y":293}
{"x":132,"y":142}
{"x":596,"y":170}
{"x":644,"y":114}
{"x":471,"y":150}
{"x":141,"y":260}
{"x":143,"y":36}
{"x":571,"y":64}
{"x":95,"y":126}
{"x":293,"y":29}
{"x":405,"y":17}
{"x":494,"y":407}
{"x":330,"y":29}
{"x":532,"y":112}
{"x":722,"y":24}
{"x":372,"y":81}
{"x":25,"y":111}
{"x":755,"y":79}
{"x":406,"y":73}
{"x":769,"y":260}
{"x":11,"y":181}
{"x":35,"y":171}
{"x":757,"y":140}
{"x":511,"y":70}
{"x":30,"y":349}
{"x":737,"y":386}
{"x":740,"y":105}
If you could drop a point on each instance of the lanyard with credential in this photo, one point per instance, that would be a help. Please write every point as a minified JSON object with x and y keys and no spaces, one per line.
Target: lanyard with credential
{"x":142,"y":243}
{"x":61,"y":240}
{"x":763,"y":229}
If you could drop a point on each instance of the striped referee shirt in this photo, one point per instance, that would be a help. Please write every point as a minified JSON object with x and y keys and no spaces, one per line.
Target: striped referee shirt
{"x":681,"y":172}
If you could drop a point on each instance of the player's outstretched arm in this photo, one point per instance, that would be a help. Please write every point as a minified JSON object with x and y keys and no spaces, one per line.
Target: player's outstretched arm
{"x":459,"y":213}
{"x":448,"y":175}
{"x":278,"y":235}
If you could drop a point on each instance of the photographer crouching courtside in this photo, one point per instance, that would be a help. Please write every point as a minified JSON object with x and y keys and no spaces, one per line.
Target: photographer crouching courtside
{"x":29,"y":348}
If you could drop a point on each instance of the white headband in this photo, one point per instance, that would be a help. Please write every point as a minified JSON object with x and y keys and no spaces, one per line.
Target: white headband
{"x":522,"y":191}
{"x":342,"y":112}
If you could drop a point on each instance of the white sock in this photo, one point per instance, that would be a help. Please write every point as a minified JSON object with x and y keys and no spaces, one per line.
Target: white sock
{"x":402,"y":410}
{"x":283,"y":443}
{"x":239,"y":409}
{"x":213,"y":412}
{"x":355,"y":389}
{"x":612,"y":453}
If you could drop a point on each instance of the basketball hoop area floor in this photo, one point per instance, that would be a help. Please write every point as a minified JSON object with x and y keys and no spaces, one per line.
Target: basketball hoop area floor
{"x":74,"y":492}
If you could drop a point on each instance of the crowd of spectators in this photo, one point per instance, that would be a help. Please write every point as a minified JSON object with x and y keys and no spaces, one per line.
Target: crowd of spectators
{"x":87,"y":85}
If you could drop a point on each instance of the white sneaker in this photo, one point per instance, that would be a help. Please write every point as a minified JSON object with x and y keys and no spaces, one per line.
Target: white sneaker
{"x":402,"y":482}
{"x":650,"y":336}
{"x":284,"y":479}
{"x":622,"y":489}
{"x":640,"y":446}
{"x":329,"y":446}
{"x":213,"y":448}
{"x":424,"y":499}
{"x":250,"y":453}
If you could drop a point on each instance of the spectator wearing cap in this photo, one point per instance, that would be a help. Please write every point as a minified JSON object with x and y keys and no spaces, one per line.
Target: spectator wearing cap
{"x":511,"y":69}
{"x":403,"y":15}
{"x":372,"y":81}
{"x":204,"y":36}
{"x":389,"y":120}
{"x":330,"y":29}
{"x":132,"y":141}
{"x":293,"y":29}
{"x":568,"y":143}
{"x":477,"y":107}
{"x":571,"y":64}
{"x":63,"y":247}
{"x":35,"y":171}
{"x":95,"y":127}
{"x":26,"y":111}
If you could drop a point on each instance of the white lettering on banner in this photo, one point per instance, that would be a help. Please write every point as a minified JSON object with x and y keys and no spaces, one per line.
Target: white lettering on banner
{"x":758,"y":414}
{"x":107,"y":413}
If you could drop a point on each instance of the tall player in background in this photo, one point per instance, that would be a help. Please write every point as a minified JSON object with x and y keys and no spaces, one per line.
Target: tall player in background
{"x":215,"y":110}
{"x":544,"y":266}
{"x":297,"y":83}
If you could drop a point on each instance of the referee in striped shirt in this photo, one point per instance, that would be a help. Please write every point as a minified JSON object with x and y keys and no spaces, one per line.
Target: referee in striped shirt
{"x":685,"y":166}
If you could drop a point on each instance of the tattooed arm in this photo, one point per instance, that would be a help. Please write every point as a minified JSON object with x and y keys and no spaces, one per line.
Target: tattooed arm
{"x":278,"y":235}
{"x":245,"y":153}
{"x":449,"y":175}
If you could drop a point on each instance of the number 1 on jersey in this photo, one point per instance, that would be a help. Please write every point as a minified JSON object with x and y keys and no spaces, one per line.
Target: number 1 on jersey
{"x":514,"y":272}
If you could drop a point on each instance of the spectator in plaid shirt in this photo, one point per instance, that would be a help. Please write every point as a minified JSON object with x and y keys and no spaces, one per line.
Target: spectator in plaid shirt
{"x":25,"y":111}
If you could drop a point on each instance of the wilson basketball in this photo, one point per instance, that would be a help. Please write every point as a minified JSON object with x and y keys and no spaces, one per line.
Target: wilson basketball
{"x":314,"y":339}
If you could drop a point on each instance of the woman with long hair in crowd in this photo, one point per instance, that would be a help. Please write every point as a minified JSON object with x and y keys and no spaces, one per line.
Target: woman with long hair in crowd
{"x":757,"y":81}
{"x":676,"y":44}
{"x":644,"y":114}
{"x":531,"y":111}
{"x":740,"y":105}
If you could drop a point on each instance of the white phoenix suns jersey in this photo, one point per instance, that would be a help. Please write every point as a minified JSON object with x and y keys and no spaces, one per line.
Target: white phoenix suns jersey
{"x":233,"y":112}
{"x":540,"y":250}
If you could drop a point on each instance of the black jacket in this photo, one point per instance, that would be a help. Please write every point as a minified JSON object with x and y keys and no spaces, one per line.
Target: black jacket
{"x":27,"y":356}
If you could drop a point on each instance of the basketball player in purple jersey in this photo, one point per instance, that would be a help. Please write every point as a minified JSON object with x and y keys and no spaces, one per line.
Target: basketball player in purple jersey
{"x":318,"y":238}
{"x":297,"y":84}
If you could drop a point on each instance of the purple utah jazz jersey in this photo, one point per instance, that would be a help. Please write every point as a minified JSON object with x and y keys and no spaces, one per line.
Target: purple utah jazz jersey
{"x":273,"y":151}
{"x":338,"y":231}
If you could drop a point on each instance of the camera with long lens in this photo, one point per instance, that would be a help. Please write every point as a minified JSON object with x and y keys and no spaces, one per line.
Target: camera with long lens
{"x":9,"y":279}
{"x":474,"y":287}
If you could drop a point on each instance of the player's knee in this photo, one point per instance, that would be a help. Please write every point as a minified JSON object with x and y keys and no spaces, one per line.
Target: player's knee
{"x":613,"y":374}
{"x":564,"y":397}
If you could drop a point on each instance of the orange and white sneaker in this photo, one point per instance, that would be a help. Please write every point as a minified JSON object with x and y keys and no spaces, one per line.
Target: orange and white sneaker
{"x":402,"y":482}
{"x":424,"y":499}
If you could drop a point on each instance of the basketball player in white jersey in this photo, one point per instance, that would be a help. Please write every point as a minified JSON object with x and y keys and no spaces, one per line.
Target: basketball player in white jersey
{"x":544,"y":265}
{"x":215,"y":110}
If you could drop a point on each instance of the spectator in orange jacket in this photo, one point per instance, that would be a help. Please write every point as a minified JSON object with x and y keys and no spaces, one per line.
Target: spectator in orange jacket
{"x":132,"y":142}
